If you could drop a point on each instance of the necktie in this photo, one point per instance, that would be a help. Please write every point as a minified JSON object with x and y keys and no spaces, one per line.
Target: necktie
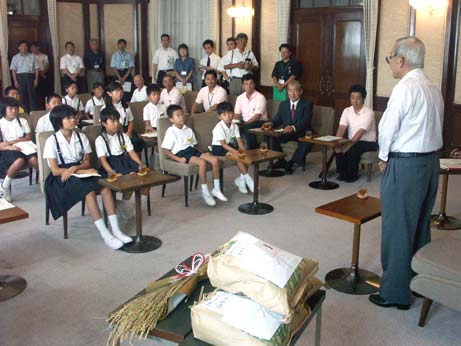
{"x":292,"y":112}
{"x":208,"y":62}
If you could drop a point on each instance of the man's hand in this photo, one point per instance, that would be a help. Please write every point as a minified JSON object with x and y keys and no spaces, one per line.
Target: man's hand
{"x":288,"y":129}
{"x":35,"y":82}
{"x":16,"y":85}
{"x":382,"y":166}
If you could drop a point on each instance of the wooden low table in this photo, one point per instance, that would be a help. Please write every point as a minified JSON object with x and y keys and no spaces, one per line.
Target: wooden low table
{"x":323,"y":184}
{"x":255,"y":157}
{"x":177,"y":327}
{"x":11,"y":285}
{"x":132,"y":182}
{"x":441,"y":221}
{"x":358,"y":211}
{"x":270,"y":172}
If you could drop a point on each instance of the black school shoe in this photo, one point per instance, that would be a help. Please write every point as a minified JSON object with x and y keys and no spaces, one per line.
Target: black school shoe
{"x":378,"y":300}
{"x":279,"y":164}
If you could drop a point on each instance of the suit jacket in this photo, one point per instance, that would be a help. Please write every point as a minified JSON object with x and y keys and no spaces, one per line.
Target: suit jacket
{"x":303,"y":115}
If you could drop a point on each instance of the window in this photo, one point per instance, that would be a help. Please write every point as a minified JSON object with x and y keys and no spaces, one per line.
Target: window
{"x":23,"y":7}
{"x":329,"y":3}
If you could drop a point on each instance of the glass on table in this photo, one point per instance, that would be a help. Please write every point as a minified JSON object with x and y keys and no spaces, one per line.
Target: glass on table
{"x":309,"y":134}
{"x":241,"y":154}
{"x":142,"y":170}
{"x":362,"y":192}
{"x":267,"y":126}
{"x":263,"y":148}
{"x":112,"y":177}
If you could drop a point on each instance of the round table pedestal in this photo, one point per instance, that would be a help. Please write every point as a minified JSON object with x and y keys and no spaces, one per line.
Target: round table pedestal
{"x":445,"y":223}
{"x":351,"y":281}
{"x":11,"y":286}
{"x":142,"y":244}
{"x":323,"y":185}
{"x":272,"y":173}
{"x":256,"y":208}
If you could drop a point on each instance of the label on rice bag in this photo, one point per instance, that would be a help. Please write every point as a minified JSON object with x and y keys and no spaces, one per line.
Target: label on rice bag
{"x":267,"y":261}
{"x":244,"y":314}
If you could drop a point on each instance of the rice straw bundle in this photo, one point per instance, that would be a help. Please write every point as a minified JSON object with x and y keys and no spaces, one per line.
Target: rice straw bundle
{"x":140,"y":315}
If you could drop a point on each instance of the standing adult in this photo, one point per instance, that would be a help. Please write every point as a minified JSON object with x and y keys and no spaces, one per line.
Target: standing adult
{"x":231,"y":44}
{"x":43,"y":88}
{"x":240,"y":61}
{"x":71,"y":66}
{"x":410,"y":133}
{"x":284,"y":72}
{"x":95,"y":64}
{"x":210,"y":61}
{"x":25,"y":73}
{"x":163,"y":60}
{"x":122,"y":63}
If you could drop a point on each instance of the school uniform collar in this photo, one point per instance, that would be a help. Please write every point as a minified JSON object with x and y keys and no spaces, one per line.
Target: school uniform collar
{"x":224,"y":125}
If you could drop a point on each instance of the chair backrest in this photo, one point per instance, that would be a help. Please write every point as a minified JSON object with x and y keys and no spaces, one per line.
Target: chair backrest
{"x":163,"y":125}
{"x":190,"y":97}
{"x":323,"y":120}
{"x":43,"y":168}
{"x":203,"y":125}
{"x":84,"y":98}
{"x":92,"y":132}
{"x":272,"y":108}
{"x":137,"y":109}
{"x":97,"y":111}
{"x":378,"y":116}
{"x":34,"y":116}
{"x":232,"y":99}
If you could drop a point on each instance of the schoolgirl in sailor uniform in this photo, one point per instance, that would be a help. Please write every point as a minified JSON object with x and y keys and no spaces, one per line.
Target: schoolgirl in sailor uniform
{"x":67,"y":153}
{"x":13,"y":130}
{"x":113,"y":147}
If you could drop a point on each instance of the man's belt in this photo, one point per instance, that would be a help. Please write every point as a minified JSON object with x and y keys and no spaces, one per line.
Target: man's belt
{"x":399,"y":155}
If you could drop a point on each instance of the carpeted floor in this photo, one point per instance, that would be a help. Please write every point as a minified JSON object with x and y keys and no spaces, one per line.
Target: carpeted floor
{"x":73,"y":284}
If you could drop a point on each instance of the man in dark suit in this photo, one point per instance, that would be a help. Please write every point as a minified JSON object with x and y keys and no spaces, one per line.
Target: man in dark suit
{"x":294,"y":115}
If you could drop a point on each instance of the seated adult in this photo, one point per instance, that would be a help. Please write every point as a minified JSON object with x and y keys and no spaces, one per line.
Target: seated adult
{"x":210,"y":95}
{"x":170,"y":94}
{"x":250,"y":107}
{"x":359,"y":121}
{"x":294,"y":116}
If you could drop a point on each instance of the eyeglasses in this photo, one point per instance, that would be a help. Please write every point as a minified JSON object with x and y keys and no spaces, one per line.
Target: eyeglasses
{"x":389,"y":57}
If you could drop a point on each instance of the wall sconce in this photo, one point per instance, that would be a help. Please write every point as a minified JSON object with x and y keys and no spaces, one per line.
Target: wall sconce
{"x":240,"y":11}
{"x":433,"y":5}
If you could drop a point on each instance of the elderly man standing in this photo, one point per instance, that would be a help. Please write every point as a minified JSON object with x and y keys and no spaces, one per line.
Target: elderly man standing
{"x":410,"y":133}
{"x":95,"y":64}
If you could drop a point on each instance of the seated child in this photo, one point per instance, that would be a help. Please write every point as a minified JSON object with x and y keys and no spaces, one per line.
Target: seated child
{"x":96,"y":100}
{"x":226,"y":138}
{"x":13,"y":92}
{"x":44,"y":123}
{"x":13,"y":131}
{"x":178,"y":145}
{"x":113,"y":147}
{"x":73,"y":100}
{"x":153,"y":110}
{"x":67,"y":152}
{"x":139,"y":94}
{"x":114,"y":98}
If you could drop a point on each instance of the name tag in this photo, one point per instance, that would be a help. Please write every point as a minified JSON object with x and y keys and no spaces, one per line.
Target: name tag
{"x":281,"y":81}
{"x":170,"y":60}
{"x":96,"y":66}
{"x":124,"y":64}
{"x":183,"y":73}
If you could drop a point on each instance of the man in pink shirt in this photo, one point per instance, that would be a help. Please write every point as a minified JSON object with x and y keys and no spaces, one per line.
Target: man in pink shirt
{"x":250,"y":107}
{"x":210,"y":95}
{"x":170,"y":94}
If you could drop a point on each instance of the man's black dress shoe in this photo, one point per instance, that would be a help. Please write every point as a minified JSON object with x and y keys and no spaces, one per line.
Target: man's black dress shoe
{"x":279,"y":164}
{"x":378,"y":300}
{"x":289,"y":167}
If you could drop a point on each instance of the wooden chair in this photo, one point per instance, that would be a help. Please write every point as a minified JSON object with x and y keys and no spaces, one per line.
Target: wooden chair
{"x":232,"y":99}
{"x":34,"y":116}
{"x":190,"y":97}
{"x":137,"y":109}
{"x":84,"y":98}
{"x":97,"y":111}
{"x":272,"y":108}
{"x":32,"y":137}
{"x":370,"y":158}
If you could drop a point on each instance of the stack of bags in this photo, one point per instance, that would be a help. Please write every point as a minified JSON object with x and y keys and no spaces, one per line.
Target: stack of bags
{"x":260,"y":297}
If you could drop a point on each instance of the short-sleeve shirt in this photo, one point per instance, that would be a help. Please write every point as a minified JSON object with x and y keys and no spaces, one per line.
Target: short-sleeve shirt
{"x":75,"y":103}
{"x":165,"y":58}
{"x":24,"y":63}
{"x":14,"y":129}
{"x":214,"y":62}
{"x":176,"y":139}
{"x":235,"y":56}
{"x":153,"y":113}
{"x":115,"y":144}
{"x":284,"y":70}
{"x":70,"y":152}
{"x":92,"y":103}
{"x":364,"y":119}
{"x":94,"y":61}
{"x":121,"y":61}
{"x":207,"y":99}
{"x":125,"y":113}
{"x":42,"y":61}
{"x":71,"y":62}
{"x":184,"y":67}
{"x":174,"y":97}
{"x":248,"y":107}
{"x":139,"y":95}
{"x":44,"y":124}
{"x":222,"y":132}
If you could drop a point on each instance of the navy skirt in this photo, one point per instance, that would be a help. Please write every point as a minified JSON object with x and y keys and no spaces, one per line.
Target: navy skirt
{"x":121,"y":164}
{"x":7,"y":157}
{"x":62,"y":196}
{"x":188,"y":153}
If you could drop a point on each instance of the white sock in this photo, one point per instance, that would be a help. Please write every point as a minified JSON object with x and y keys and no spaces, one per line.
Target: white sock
{"x":7,"y":182}
{"x":113,"y":220}
{"x":101,"y":226}
{"x":216,"y":184}
{"x":205,"y":189}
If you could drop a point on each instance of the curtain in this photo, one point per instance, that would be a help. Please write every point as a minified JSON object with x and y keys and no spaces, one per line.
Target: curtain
{"x":5,"y":68}
{"x":212,"y":20}
{"x":283,"y":21}
{"x":53,"y":20}
{"x":370,"y":16}
{"x":154,"y":35}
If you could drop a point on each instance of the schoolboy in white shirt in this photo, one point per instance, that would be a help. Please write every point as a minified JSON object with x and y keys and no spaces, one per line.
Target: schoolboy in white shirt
{"x":96,"y":100}
{"x":153,"y":110}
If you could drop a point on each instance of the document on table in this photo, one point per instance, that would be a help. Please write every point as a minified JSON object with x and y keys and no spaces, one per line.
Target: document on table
{"x":328,"y":138}
{"x":244,"y":314}
{"x":27,"y":148}
{"x":450,"y":163}
{"x":127,"y":87}
{"x":85,"y":175}
{"x":4,"y":204}
{"x":150,"y":134}
{"x":88,"y":121}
